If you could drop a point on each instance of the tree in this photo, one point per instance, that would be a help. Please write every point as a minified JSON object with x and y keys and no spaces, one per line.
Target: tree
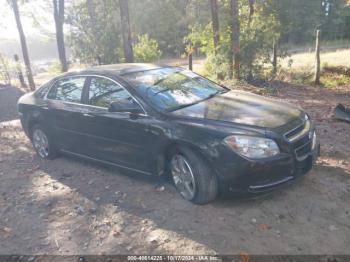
{"x":58,"y":11}
{"x":235,"y":41}
{"x":126,"y":32}
{"x":23,"y":44}
{"x":251,"y":11}
{"x":215,"y":22}
{"x":146,"y":49}
{"x":173,"y":19}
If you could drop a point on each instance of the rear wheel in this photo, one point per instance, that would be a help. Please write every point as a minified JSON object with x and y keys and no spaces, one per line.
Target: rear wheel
{"x":192,"y":177}
{"x":42,"y":143}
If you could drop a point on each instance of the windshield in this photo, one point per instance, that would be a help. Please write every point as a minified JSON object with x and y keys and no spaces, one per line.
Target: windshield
{"x":169,"y":89}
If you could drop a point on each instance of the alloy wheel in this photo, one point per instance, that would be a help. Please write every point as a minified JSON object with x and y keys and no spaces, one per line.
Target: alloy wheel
{"x":183,"y":176}
{"x":41,"y":143}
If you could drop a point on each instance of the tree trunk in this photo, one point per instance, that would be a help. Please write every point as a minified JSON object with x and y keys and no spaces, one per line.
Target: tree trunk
{"x":318,"y":59}
{"x":23,"y":45}
{"x":126,"y":32}
{"x":251,"y":11}
{"x":235,"y":42}
{"x":91,"y":9}
{"x":58,"y":10}
{"x":215,"y":23}
{"x":250,"y":18}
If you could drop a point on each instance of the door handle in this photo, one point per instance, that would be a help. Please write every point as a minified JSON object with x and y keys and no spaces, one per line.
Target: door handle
{"x":44,"y":107}
{"x":88,"y":115}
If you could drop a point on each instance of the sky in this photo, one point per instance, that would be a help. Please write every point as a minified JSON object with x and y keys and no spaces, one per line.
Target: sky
{"x":31,"y":11}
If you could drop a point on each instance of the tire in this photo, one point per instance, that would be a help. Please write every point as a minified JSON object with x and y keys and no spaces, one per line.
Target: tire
{"x":205,"y":186}
{"x":41,"y":139}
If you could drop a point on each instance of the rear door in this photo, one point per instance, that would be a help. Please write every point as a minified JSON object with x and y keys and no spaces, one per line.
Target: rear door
{"x":66,"y":112}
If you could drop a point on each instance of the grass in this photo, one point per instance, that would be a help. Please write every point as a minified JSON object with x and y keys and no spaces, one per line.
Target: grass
{"x":299,"y":68}
{"x":307,"y":60}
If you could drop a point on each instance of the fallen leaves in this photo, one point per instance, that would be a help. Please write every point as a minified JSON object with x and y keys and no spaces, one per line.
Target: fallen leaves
{"x":244,"y":256}
{"x":264,"y":227}
{"x":7,"y":232}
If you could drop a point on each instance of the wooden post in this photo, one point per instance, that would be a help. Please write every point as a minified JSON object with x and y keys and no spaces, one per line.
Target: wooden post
{"x":274,"y":59}
{"x":318,"y":59}
{"x":190,"y":61}
{"x":19,"y":71}
{"x":99,"y":60}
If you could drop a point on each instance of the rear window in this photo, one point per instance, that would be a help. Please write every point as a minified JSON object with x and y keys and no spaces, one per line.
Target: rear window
{"x":42,"y":91}
{"x":68,"y":89}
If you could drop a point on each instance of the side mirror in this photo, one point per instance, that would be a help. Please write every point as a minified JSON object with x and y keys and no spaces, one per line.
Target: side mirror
{"x":126,"y":106}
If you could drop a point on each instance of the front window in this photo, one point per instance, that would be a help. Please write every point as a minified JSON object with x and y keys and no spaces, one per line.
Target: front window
{"x":169,"y":89}
{"x":103,"y":92}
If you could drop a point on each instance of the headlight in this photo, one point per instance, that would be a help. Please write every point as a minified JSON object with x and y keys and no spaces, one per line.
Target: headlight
{"x":252,"y":147}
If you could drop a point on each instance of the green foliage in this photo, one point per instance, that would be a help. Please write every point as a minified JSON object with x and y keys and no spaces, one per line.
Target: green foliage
{"x":146,"y":49}
{"x":171,"y":28}
{"x":256,"y":40}
{"x":166,"y":21}
{"x":201,"y":37}
{"x":95,"y":36}
{"x":54,"y":67}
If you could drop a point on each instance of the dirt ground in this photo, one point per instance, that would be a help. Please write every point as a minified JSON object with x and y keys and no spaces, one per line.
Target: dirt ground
{"x":67,"y":206}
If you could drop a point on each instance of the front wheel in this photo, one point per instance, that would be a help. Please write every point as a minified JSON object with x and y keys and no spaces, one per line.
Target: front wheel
{"x":192,"y":177}
{"x":42,"y":144}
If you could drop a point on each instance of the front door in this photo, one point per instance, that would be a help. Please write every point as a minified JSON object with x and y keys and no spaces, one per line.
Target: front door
{"x":118,"y":137}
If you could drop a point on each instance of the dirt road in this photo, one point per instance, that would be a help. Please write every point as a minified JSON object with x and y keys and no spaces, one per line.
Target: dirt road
{"x":67,"y":206}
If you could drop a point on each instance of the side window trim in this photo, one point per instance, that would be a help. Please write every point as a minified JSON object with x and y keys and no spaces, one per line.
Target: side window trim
{"x":85,"y":93}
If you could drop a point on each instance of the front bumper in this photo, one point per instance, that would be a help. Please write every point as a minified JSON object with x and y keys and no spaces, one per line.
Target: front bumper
{"x":242,"y":176}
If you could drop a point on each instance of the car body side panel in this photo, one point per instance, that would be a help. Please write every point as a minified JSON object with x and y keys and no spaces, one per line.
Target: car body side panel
{"x":121,"y":138}
{"x":66,"y":120}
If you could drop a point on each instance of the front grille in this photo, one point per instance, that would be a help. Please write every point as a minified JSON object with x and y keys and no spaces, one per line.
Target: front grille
{"x":298,"y":132}
{"x":302,"y":151}
{"x":300,"y":140}
{"x":294,"y":131}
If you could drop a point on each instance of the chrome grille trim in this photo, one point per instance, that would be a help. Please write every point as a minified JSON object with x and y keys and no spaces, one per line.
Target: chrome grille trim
{"x":304,"y":156}
{"x":307,"y":126}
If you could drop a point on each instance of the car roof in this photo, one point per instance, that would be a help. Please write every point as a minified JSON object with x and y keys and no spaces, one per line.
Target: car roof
{"x":113,"y":69}
{"x":120,"y":69}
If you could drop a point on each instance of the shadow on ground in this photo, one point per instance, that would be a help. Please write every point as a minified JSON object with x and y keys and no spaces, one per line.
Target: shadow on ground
{"x":69,"y":206}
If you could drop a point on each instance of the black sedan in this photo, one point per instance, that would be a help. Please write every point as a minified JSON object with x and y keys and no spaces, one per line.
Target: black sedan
{"x":159,"y":120}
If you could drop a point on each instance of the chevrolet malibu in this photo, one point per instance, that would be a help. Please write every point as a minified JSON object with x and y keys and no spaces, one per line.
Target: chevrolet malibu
{"x":159,"y":120}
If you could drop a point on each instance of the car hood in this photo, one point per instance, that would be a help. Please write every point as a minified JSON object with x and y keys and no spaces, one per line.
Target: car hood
{"x":242,"y":108}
